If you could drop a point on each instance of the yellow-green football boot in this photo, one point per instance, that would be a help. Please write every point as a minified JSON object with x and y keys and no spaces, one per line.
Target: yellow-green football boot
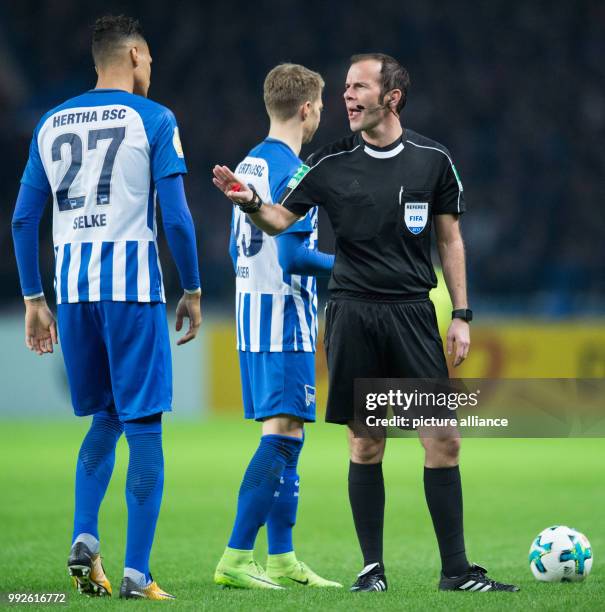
{"x":239,"y":570}
{"x":288,"y":571}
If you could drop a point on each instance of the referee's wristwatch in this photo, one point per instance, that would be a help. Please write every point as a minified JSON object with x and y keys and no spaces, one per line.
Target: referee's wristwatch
{"x":254,"y":205}
{"x":466,"y":314}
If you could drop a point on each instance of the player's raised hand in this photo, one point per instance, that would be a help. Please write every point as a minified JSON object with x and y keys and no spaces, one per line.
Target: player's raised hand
{"x":190,"y":307}
{"x":458,"y":338}
{"x":231,"y":186}
{"x":40,"y":326}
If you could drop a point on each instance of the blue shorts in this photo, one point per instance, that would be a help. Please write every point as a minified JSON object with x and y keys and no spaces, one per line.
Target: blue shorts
{"x":117,"y":354}
{"x":278,"y":383}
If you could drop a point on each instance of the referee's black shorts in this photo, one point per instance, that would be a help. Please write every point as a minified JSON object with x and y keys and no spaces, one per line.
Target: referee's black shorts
{"x":378,"y":339}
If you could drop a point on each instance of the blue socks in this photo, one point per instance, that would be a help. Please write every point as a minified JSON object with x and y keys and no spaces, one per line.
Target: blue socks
{"x":282,"y":517}
{"x":144,"y":482}
{"x":144,"y":486}
{"x":260,"y":485}
{"x":93,"y":471}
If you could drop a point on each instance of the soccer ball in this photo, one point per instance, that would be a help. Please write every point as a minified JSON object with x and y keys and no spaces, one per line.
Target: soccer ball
{"x":560,"y":554}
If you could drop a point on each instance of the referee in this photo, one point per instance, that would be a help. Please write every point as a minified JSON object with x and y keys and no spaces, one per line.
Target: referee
{"x":384,"y":188}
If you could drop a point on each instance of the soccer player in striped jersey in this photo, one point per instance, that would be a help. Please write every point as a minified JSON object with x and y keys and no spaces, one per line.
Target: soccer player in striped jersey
{"x":276,"y":320}
{"x":102,"y":157}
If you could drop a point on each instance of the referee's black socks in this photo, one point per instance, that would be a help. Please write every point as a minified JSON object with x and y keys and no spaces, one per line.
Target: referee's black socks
{"x":366,"y":494}
{"x":443,"y":491}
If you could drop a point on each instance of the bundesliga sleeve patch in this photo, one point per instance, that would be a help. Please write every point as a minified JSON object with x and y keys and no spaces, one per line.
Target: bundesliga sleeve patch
{"x":298,"y":176}
{"x":176,"y":142}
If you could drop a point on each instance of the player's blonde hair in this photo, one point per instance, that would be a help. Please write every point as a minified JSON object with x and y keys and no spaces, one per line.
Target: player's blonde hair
{"x":287,"y":87}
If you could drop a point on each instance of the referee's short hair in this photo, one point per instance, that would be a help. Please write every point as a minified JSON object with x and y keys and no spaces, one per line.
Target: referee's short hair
{"x":110,"y":33}
{"x":394,"y":75}
{"x":287,"y":87}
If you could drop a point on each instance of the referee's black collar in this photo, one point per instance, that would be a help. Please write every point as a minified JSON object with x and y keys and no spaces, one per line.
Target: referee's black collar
{"x":390,"y":150}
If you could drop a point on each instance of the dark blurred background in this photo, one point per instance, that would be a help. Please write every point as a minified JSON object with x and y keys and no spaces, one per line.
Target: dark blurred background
{"x":516,"y":91}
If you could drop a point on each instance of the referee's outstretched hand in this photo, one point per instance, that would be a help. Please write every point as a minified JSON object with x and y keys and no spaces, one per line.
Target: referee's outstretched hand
{"x":458,"y":339}
{"x":231,"y":186}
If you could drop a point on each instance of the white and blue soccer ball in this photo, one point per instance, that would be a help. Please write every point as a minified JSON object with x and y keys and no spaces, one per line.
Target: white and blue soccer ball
{"x":560,"y":554}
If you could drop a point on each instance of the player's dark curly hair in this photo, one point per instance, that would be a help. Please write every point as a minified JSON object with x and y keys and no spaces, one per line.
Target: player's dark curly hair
{"x":109,"y":33}
{"x":394,"y":75}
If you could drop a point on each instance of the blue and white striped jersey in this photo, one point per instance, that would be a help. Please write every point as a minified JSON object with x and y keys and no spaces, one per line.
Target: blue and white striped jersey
{"x":100,"y":154}
{"x":275,"y":311}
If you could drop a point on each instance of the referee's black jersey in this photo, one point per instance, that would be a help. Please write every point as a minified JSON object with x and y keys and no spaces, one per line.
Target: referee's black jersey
{"x":381,"y":202}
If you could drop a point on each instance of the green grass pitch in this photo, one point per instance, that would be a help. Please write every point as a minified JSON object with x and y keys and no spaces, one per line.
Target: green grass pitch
{"x":513,"y":489}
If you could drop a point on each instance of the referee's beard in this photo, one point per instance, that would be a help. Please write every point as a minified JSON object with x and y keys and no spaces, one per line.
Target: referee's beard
{"x":369,"y":118}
